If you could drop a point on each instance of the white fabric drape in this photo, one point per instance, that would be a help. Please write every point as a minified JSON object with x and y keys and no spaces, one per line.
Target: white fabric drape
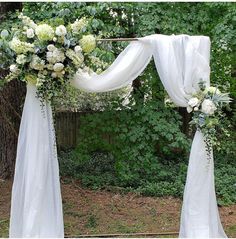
{"x":36,"y":208}
{"x":200,"y":217}
{"x":181,"y":61}
{"x":127,"y":66}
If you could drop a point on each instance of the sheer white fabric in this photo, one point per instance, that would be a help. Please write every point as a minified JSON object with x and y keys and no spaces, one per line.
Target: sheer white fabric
{"x":200,"y":217}
{"x":127,"y":66}
{"x":182,"y":61}
{"x":36,"y":208}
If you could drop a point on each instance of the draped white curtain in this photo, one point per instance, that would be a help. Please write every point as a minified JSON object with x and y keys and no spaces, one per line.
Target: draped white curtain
{"x":181,"y":61}
{"x":36,"y":208}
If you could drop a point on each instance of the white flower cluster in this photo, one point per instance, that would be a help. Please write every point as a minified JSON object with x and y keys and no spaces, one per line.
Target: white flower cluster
{"x":44,"y":32}
{"x":37,"y":63}
{"x":27,"y":21}
{"x":21,"y":59}
{"x":88,"y":43}
{"x":20,"y":47}
{"x":207,"y":105}
{"x":54,"y":54}
{"x":193,"y":104}
{"x":48,"y":55}
{"x":30,"y":33}
{"x":13,"y":68}
{"x":61,"y":31}
{"x":78,"y":25}
{"x":76,"y":57}
{"x":58,"y":70}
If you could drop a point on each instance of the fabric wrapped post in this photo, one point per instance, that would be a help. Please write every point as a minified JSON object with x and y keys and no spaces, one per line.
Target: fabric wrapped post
{"x":36,"y":208}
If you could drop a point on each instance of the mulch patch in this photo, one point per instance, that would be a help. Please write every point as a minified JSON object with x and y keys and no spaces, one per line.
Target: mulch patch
{"x":104,"y":212}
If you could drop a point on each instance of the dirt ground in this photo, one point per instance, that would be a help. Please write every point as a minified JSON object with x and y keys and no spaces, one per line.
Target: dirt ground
{"x":106,"y":212}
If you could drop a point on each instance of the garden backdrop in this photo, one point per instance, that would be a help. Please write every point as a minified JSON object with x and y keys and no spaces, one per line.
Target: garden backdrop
{"x":130,"y":142}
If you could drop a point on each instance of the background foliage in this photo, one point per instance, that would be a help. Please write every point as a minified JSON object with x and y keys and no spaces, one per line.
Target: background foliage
{"x":141,"y":145}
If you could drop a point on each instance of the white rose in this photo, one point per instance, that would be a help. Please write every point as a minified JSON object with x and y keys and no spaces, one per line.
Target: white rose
{"x":37,"y":63}
{"x":59,"y":55}
{"x":51,"y":47}
{"x":196,"y":108}
{"x":208,"y":107}
{"x":193,"y":101}
{"x":13,"y":68}
{"x":212,"y":90}
{"x":61,"y":31}
{"x":30,"y":33}
{"x":78,"y":49}
{"x":189,"y":109}
{"x":21,"y":59}
{"x":58,"y":67}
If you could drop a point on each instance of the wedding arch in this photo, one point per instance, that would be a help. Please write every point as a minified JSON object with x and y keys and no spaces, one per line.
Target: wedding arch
{"x":181,"y":61}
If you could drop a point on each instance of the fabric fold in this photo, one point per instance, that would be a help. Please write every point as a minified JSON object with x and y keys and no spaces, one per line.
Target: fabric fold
{"x":127,"y":67}
{"x":36,"y":206}
{"x":200,"y":216}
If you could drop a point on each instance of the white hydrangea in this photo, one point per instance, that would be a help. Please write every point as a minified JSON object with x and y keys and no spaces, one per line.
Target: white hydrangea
{"x":78,"y":25}
{"x":76,"y":57}
{"x":20,"y":47}
{"x":61,"y":30}
{"x":88,"y":43}
{"x":212,"y":90}
{"x":58,"y":67}
{"x":51,"y":47}
{"x":193,"y":102}
{"x":37,"y":63}
{"x":44,"y":32}
{"x":27,"y":21}
{"x":78,"y":49}
{"x":30,"y":33}
{"x":58,"y":74}
{"x":14,"y":68}
{"x":21,"y":59}
{"x":55,"y":56}
{"x":208,"y":107}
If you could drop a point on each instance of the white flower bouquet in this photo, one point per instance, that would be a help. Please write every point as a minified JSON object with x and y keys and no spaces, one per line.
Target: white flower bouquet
{"x":207,"y":107}
{"x":49,"y":56}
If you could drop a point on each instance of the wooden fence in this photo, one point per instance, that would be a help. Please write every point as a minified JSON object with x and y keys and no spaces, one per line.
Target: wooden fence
{"x":67,"y":128}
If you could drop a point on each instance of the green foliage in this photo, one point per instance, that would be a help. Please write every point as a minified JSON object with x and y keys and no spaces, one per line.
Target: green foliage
{"x":168,"y":178}
{"x":139,"y":137}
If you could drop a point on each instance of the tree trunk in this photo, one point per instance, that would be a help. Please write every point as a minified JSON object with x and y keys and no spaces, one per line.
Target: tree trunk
{"x":11,"y":102}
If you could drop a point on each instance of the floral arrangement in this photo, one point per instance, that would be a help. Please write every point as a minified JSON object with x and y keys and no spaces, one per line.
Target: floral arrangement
{"x":206,"y":105}
{"x":49,"y":56}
